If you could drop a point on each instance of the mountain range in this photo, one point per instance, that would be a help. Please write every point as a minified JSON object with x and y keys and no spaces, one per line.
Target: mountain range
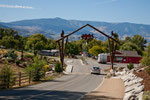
{"x":52,"y":27}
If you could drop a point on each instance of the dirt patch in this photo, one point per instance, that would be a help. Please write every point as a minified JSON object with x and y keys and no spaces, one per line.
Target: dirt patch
{"x":146,"y":79}
{"x":15,"y":68}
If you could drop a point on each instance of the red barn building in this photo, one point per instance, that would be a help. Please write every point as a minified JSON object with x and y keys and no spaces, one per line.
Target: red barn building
{"x":125,"y":56}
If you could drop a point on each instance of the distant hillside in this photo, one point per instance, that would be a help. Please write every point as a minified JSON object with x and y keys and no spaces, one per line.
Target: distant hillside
{"x":2,"y":25}
{"x":52,"y":28}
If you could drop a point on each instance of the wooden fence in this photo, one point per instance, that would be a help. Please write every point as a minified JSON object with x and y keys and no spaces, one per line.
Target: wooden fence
{"x":16,"y":80}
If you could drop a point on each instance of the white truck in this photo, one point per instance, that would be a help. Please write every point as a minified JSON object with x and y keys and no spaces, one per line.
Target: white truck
{"x":102,"y":58}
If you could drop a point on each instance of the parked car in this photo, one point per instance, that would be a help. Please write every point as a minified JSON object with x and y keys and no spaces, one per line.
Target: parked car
{"x":95,"y":70}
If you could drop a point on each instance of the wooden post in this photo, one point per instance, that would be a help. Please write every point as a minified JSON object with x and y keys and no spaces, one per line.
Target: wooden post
{"x":59,"y":49}
{"x":114,"y":47}
{"x":112,"y":57}
{"x":19,"y":78}
{"x":65,"y":46}
{"x":8,"y":79}
{"x":110,"y":50}
{"x":22,"y":50}
{"x":29,"y":77}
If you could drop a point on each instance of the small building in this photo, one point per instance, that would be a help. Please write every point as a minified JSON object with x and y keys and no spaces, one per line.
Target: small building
{"x":49,"y":52}
{"x":55,"y":52}
{"x":126,"y":56}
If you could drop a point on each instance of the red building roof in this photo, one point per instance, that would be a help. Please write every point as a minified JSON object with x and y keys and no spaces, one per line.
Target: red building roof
{"x":127,"y":53}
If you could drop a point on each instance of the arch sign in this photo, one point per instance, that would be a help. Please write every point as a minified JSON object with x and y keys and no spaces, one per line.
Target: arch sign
{"x":62,"y":47}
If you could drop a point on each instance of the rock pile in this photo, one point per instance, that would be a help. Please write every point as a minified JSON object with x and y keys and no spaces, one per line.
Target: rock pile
{"x":132,"y":83}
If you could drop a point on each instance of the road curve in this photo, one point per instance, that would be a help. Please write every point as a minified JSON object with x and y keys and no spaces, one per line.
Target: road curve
{"x":67,"y":87}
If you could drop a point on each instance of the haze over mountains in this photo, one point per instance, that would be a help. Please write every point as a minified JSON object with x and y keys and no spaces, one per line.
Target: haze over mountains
{"x":52,"y":27}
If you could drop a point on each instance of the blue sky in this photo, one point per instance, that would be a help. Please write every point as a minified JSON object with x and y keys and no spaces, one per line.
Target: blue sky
{"x":133,"y":11}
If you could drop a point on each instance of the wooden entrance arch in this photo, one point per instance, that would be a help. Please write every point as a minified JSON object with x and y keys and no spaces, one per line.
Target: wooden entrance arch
{"x":62,"y":47}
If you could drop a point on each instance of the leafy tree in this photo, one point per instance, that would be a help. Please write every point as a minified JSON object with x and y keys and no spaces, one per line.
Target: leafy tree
{"x":116,"y":37}
{"x":80,"y":44}
{"x":8,"y":42}
{"x":2,"y":33}
{"x":139,"y":41}
{"x":95,"y":50}
{"x":131,"y":46}
{"x":146,"y":58}
{"x":94,"y":42}
{"x":36,"y":42}
{"x":10,"y":38}
{"x":20,"y":44}
{"x":72,"y":48}
{"x":7,"y":32}
{"x":85,"y":47}
{"x":106,"y":46}
{"x":128,"y":39}
{"x":50,"y":44}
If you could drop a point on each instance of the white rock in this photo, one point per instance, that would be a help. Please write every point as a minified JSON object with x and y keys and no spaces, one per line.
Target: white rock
{"x":128,"y":95}
{"x":138,"y":89}
{"x":140,"y":96}
{"x":132,"y":87}
{"x":69,"y":68}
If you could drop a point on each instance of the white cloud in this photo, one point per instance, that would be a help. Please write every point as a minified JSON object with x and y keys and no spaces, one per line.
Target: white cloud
{"x":16,"y":6}
{"x":106,"y":1}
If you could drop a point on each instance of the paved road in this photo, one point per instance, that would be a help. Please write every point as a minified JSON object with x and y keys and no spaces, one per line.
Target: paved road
{"x":68,"y":87}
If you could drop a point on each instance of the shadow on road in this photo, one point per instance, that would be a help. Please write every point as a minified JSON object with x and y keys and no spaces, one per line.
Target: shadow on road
{"x":40,"y":95}
{"x":100,"y":74}
{"x":94,"y":97}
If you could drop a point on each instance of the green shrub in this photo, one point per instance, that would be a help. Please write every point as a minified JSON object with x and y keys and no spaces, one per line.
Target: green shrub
{"x":148,"y":70}
{"x":83,"y":59}
{"x":45,"y":58}
{"x":18,"y":62}
{"x":145,"y":61}
{"x":58,"y":67}
{"x":29,"y":56}
{"x":146,"y":95}
{"x":9,"y":59}
{"x":52,"y":61}
{"x":6,"y":77}
{"x":36,"y":69}
{"x":130,"y":66}
{"x":11,"y":55}
{"x":46,"y":68}
{"x":108,"y":75}
{"x":146,"y":58}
